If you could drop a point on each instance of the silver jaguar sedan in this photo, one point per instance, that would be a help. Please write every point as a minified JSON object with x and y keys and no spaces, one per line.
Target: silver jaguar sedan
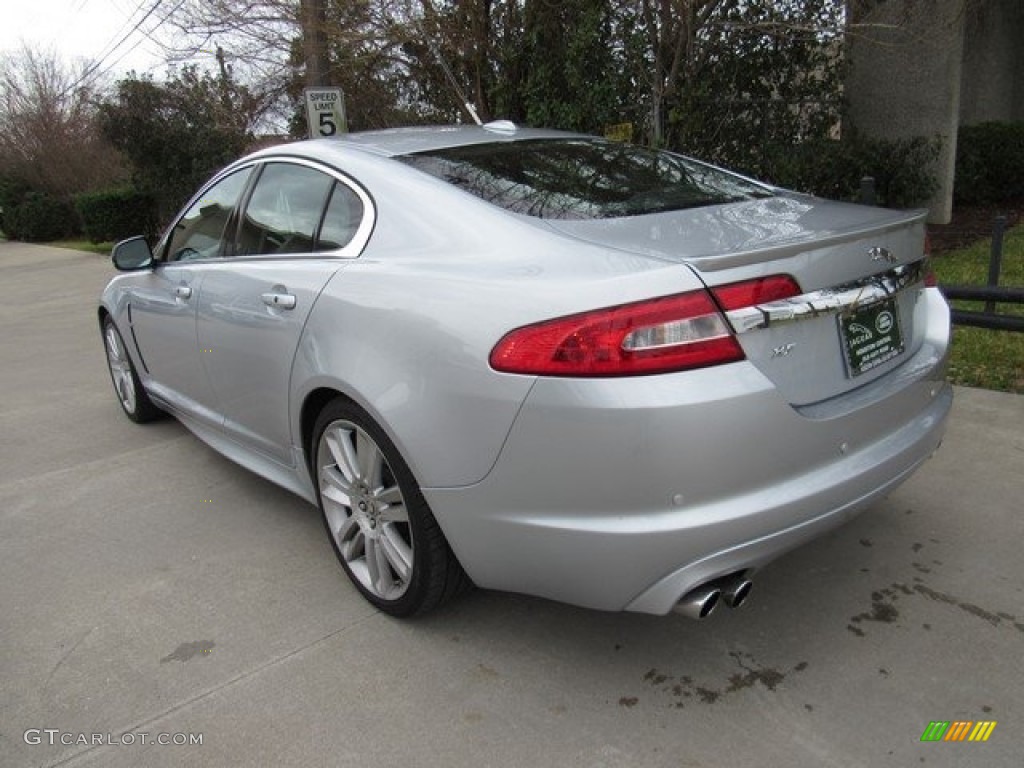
{"x":538,"y":361}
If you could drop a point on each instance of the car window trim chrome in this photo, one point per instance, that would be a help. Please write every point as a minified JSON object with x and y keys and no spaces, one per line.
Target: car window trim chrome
{"x":351,"y":250}
{"x":354,"y":247}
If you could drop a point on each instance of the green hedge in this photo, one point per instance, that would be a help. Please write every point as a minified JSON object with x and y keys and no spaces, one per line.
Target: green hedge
{"x":901,"y":168}
{"x":12,"y":193}
{"x":989,"y":163}
{"x":40,"y":217}
{"x":116,"y":214}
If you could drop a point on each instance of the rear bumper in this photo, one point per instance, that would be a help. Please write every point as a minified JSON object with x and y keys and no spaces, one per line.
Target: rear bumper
{"x":626,"y":494}
{"x":906,"y":450}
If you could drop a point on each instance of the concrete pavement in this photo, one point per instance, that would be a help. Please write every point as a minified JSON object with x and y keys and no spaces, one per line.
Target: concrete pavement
{"x":148,"y":586}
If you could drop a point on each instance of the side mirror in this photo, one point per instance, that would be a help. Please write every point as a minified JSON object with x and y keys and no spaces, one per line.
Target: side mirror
{"x":132,"y":255}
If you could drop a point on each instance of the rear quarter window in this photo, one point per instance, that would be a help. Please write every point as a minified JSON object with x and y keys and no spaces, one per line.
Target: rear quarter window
{"x":284,"y":210}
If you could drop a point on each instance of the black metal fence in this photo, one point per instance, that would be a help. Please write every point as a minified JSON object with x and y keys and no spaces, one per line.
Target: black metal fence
{"x":991,"y":293}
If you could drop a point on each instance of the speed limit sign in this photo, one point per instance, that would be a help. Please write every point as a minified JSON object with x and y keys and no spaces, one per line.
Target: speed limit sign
{"x":325,"y":112}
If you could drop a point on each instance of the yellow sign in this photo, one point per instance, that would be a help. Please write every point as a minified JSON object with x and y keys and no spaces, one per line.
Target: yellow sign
{"x":619,"y":132}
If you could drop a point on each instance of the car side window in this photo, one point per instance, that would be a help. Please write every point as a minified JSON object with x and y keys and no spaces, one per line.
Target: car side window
{"x":283,"y":211}
{"x":342,"y":219}
{"x":199,"y":233}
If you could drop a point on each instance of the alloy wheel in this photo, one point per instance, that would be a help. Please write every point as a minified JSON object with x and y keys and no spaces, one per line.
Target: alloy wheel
{"x":120,"y":369}
{"x":365,"y":510}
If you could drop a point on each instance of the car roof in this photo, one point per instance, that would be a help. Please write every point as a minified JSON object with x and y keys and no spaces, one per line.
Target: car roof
{"x":404,"y":141}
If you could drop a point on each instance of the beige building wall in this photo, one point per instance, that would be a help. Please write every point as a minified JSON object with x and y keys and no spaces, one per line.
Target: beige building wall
{"x":992,"y":81}
{"x":906,"y":61}
{"x":925,"y":67}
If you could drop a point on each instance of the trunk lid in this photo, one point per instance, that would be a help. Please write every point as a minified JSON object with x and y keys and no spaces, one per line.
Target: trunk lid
{"x":860,"y":269}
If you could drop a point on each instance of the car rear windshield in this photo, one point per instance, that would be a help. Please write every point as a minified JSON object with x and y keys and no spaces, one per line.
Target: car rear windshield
{"x":583,"y":178}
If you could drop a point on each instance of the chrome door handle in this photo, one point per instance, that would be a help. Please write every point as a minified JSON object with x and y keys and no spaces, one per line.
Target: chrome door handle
{"x":279,"y":300}
{"x":182,"y":291}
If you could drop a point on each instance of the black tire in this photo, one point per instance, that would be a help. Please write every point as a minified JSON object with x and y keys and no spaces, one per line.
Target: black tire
{"x":127,"y":386}
{"x":376,"y":517}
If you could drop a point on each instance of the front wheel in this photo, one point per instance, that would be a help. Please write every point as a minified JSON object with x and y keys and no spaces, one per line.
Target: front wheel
{"x":379,"y":524}
{"x":127,"y":386}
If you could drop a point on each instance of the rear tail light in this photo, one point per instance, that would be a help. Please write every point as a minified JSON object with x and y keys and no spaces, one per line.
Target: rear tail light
{"x":930,"y":280}
{"x":928,"y":273}
{"x":672,"y":333}
{"x":760,"y":291}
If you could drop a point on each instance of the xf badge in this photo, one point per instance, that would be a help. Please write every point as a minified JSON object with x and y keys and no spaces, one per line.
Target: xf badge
{"x":784,"y":350}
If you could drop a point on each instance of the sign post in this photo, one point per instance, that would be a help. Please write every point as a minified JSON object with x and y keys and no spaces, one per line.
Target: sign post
{"x":325,"y":112}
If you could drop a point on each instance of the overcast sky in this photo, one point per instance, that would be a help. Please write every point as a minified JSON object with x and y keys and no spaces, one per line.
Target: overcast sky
{"x":92,"y":29}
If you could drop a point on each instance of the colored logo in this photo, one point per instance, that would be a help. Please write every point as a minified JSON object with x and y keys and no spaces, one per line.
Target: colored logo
{"x":884,"y":322}
{"x":958,"y":730}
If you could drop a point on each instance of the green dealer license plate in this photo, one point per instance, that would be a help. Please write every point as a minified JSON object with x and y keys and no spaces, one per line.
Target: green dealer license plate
{"x":871,"y":336}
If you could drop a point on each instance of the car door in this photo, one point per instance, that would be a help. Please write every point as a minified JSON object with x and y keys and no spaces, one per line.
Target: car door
{"x":164,"y":301}
{"x":299,"y":226}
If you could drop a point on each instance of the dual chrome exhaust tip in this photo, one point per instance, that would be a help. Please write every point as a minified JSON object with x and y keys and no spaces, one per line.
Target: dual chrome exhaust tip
{"x":698,"y":603}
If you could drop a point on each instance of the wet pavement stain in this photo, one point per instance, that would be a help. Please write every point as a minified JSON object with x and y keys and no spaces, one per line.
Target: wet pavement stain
{"x":654,"y":677}
{"x":995,"y":619}
{"x":485,"y":673}
{"x":769,"y":678}
{"x":707,"y":695}
{"x":188,"y":651}
{"x":752,"y":673}
{"x":883,"y":609}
